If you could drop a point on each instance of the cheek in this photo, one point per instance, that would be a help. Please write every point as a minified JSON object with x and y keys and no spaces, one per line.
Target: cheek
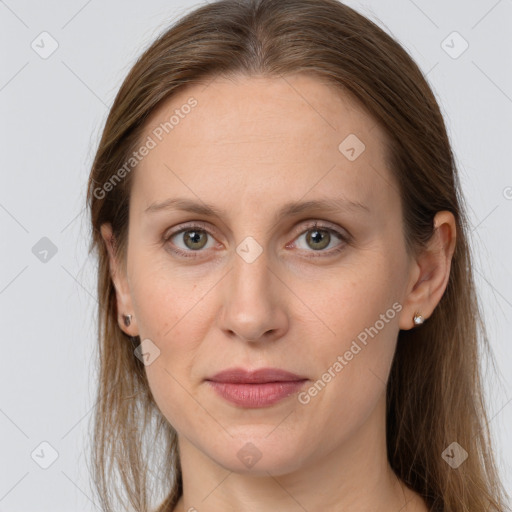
{"x":353,"y":371}
{"x":352,"y":300}
{"x":164,"y":300}
{"x":356,"y":340}
{"x":171,"y":319}
{"x":175,"y":401}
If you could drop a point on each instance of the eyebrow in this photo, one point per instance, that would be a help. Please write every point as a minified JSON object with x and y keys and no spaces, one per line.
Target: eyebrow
{"x":334,"y":205}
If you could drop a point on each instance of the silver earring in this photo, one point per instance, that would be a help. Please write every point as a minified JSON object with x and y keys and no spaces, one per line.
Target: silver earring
{"x":127,"y":320}
{"x":418,"y":319}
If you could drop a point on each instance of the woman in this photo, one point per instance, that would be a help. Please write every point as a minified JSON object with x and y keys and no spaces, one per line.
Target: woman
{"x":288,"y":318}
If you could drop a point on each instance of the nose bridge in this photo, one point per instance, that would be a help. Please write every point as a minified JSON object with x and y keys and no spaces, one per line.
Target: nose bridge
{"x":250,"y":275}
{"x":251,"y":258}
{"x":249,"y":307}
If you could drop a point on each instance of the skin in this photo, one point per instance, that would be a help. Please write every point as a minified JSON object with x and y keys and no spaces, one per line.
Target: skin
{"x":248,"y":147}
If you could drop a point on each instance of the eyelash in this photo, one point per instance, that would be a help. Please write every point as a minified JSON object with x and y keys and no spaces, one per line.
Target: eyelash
{"x":198,"y":226}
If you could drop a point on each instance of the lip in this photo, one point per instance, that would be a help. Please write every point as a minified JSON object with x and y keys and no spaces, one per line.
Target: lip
{"x":259,"y":376}
{"x":257,"y":388}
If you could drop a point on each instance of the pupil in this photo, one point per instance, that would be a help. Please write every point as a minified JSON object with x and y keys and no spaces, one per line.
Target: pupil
{"x":317,"y":237}
{"x":194,"y":236}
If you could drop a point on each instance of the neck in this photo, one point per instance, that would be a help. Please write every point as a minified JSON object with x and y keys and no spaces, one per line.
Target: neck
{"x":354,"y":477}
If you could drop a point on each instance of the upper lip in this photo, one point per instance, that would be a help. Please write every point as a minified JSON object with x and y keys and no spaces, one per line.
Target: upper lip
{"x":258,"y":376}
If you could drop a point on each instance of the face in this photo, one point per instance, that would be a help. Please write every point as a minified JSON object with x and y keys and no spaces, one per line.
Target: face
{"x":317,"y":291}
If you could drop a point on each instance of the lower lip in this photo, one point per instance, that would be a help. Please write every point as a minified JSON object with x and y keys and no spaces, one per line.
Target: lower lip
{"x":256,"y":395}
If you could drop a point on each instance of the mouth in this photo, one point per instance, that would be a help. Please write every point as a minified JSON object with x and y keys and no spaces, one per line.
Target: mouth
{"x":257,"y":388}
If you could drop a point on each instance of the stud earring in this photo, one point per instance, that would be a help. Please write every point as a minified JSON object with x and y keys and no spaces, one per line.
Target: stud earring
{"x":127,"y":320}
{"x":418,"y":319}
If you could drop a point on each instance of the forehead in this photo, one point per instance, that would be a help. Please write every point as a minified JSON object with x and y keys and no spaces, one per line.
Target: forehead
{"x":293,"y":135}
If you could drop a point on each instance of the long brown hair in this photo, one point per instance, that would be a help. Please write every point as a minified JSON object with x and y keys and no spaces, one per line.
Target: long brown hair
{"x":434,"y":394}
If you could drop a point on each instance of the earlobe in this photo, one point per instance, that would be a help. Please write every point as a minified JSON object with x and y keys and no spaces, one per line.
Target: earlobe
{"x":431,"y":272}
{"x":126,"y":318}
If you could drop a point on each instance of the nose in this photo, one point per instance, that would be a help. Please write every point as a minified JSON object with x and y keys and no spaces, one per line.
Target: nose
{"x":254,"y":307}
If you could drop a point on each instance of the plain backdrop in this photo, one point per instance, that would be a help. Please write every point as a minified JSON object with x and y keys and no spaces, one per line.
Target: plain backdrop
{"x":61,"y":65}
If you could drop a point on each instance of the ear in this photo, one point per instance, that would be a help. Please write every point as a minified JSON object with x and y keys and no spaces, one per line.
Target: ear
{"x":430,"y":271}
{"x":118,"y":276}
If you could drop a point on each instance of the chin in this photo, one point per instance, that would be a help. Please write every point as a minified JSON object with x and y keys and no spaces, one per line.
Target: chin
{"x":260,"y":456}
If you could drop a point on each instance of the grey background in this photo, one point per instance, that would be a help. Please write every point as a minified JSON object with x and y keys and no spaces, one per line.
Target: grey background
{"x":52,"y":113}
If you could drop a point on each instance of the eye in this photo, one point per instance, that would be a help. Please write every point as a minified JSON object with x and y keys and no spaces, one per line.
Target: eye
{"x":319,"y":238}
{"x":194,"y":238}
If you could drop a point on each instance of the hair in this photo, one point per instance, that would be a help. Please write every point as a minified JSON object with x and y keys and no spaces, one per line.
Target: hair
{"x":435,"y":388}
